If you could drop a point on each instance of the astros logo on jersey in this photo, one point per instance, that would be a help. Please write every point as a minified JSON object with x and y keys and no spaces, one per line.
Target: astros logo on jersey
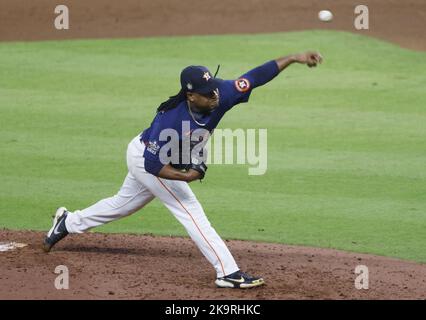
{"x":242,"y":85}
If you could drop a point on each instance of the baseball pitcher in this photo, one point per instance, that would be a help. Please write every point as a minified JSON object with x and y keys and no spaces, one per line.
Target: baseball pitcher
{"x":165,"y":173}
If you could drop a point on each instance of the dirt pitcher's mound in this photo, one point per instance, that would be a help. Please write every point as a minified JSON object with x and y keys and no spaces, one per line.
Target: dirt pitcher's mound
{"x":106,"y":266}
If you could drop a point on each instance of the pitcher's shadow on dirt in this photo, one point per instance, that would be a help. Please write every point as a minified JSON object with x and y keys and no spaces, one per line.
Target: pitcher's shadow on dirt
{"x":142,"y":251}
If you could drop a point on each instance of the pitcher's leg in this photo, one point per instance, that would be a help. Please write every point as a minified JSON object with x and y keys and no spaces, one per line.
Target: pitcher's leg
{"x":178,"y":197}
{"x":132,"y":196}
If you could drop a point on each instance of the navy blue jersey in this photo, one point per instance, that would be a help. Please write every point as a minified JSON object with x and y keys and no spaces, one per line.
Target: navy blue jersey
{"x":231,"y":93}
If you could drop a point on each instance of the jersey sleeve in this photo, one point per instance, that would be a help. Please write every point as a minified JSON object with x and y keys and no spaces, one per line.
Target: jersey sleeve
{"x":233,"y":92}
{"x":238,"y":91}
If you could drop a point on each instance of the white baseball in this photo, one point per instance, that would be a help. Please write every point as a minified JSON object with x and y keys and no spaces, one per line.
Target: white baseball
{"x":325,"y":15}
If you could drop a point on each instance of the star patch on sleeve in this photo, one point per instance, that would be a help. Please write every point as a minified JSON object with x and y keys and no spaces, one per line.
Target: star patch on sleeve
{"x":242,"y":85}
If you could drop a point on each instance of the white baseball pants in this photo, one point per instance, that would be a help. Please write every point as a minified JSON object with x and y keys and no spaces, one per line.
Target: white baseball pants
{"x":138,"y":189}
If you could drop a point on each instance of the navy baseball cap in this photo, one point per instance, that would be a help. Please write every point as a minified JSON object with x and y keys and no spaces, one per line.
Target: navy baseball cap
{"x":198,"y":79}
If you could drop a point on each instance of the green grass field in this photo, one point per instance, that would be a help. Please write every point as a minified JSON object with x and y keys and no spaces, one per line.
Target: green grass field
{"x":346,"y":141}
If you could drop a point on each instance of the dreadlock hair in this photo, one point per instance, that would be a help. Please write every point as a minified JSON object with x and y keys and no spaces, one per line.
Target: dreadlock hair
{"x":173,"y":101}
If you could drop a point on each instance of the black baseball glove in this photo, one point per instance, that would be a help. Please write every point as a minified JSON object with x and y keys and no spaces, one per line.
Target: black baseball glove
{"x":201,"y":168}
